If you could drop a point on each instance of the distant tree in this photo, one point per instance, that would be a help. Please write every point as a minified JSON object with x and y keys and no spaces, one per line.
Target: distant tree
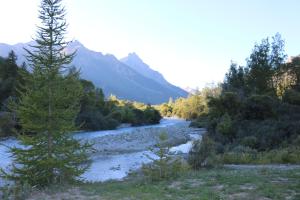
{"x":48,"y":107}
{"x":93,"y":114}
{"x":235,"y":80}
{"x":293,"y":69}
{"x":8,"y":77}
{"x":260,"y":70}
{"x":263,"y":65}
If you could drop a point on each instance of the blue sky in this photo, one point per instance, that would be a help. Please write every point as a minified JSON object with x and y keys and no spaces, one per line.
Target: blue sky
{"x":190,"y":41}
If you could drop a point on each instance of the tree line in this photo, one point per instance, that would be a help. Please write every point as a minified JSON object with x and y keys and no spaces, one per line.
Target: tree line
{"x":255,"y":118}
{"x":253,"y":115}
{"x":96,"y":111}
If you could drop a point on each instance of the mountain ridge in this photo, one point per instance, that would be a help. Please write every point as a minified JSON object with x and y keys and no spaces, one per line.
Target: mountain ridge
{"x":132,"y":80}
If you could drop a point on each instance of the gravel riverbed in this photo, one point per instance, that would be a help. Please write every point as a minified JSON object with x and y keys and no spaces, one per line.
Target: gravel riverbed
{"x":117,"y":152}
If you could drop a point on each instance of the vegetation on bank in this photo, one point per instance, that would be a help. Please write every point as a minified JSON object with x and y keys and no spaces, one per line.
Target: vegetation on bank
{"x":190,"y":108}
{"x":165,"y":165}
{"x":253,"y":116}
{"x":99,"y":113}
{"x":204,"y":184}
{"x":96,"y":112}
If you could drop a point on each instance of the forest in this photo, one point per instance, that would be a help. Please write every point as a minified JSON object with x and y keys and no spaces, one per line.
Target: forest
{"x":253,"y":116}
{"x":96,"y":112}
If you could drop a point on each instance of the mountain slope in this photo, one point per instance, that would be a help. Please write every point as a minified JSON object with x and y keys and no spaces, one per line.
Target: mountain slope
{"x":113,"y":76}
{"x":136,"y":63}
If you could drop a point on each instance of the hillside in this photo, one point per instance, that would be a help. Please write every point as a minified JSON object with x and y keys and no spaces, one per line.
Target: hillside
{"x":121,"y":78}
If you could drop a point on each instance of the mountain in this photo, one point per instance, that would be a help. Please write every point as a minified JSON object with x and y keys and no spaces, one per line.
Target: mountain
{"x":125,"y":80}
{"x":17,"y":48}
{"x":191,"y":90}
{"x":137,"y":64}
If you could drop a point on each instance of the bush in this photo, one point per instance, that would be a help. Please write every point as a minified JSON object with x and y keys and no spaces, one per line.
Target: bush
{"x":296,"y":141}
{"x":127,"y":115}
{"x":229,"y":103}
{"x":225,"y":126}
{"x":250,"y":141}
{"x":269,"y":134}
{"x":203,"y":154}
{"x":151,"y":115}
{"x":201,"y":122}
{"x":116,"y":115}
{"x":259,"y":107}
{"x":16,"y":192}
{"x":7,"y":124}
{"x":94,"y":120}
{"x":291,"y":97}
{"x":110,"y":123}
{"x":166,"y":166}
{"x":238,"y":158}
{"x":290,"y":155}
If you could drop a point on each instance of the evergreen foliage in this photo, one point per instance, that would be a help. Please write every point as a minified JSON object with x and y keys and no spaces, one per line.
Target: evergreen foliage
{"x":11,"y":83}
{"x":97,"y":113}
{"x":48,"y":107}
{"x":8,"y":78}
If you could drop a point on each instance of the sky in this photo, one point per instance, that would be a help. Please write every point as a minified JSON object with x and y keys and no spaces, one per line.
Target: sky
{"x":191,"y":42}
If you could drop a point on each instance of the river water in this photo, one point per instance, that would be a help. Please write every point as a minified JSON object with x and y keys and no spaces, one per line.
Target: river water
{"x":110,"y":167}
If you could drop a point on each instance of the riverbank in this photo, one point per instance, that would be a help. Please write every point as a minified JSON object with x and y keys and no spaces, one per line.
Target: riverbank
{"x":215,"y":184}
{"x":118,"y":152}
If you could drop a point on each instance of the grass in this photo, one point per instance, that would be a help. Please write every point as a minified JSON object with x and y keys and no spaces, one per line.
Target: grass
{"x":261,"y":184}
{"x":278,"y":156}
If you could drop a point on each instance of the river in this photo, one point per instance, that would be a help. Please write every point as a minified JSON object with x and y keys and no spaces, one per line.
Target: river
{"x":117,"y":152}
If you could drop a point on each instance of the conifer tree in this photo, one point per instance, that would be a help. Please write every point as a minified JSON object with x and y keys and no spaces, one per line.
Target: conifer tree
{"x":48,"y":107}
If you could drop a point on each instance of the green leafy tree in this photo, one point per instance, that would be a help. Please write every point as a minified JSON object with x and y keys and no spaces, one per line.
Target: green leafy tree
{"x":94,"y":114}
{"x":235,"y":80}
{"x":260,"y":69}
{"x":263,"y":65}
{"x":8,"y":78}
{"x":293,"y":68}
{"x":48,"y":107}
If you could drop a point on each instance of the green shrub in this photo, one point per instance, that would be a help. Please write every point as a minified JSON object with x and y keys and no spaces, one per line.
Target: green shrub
{"x":117,"y":115}
{"x":201,"y":122}
{"x":228,"y":102}
{"x":203,"y":154}
{"x":15,"y":192}
{"x":225,"y":126}
{"x":110,"y":123}
{"x":151,"y":115}
{"x":94,"y":120}
{"x":259,"y":107}
{"x":249,"y":141}
{"x":166,"y":166}
{"x":288,"y":155}
{"x":7,"y":124}
{"x":238,"y":158}
{"x":296,"y":141}
{"x":291,"y":97}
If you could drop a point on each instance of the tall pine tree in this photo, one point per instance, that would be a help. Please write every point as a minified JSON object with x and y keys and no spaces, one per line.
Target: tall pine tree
{"x":48,"y":108}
